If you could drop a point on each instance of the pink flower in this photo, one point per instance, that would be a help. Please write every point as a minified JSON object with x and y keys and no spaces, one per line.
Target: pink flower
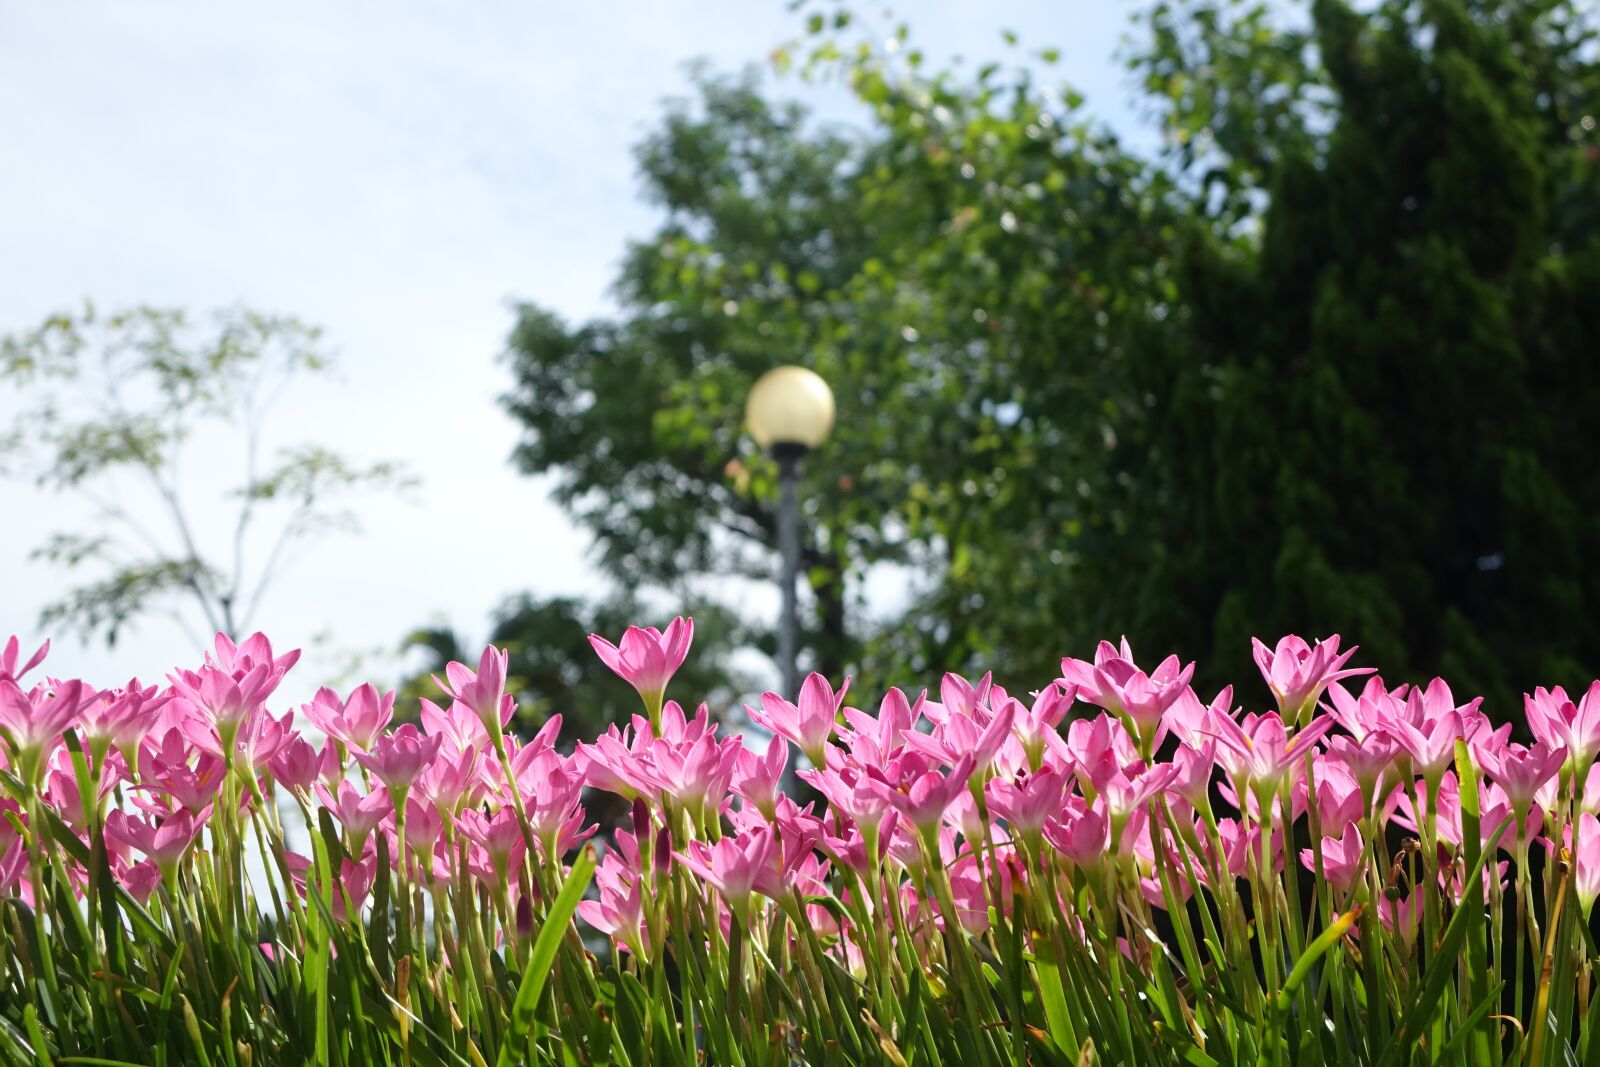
{"x":31,"y":723}
{"x":358,"y":814}
{"x":620,"y":910}
{"x":733,"y":865}
{"x":960,"y":697}
{"x":120,"y":718}
{"x":1080,"y":833}
{"x":969,"y":892}
{"x":251,"y":743}
{"x":1258,"y":752}
{"x":1432,"y":744}
{"x":872,"y":739}
{"x":1520,"y":770}
{"x":14,"y":878}
{"x":13,"y":652}
{"x":646,"y":658}
{"x":484,"y":691}
{"x":675,"y":726}
{"x":296,"y":765}
{"x":349,"y":892}
{"x":1192,"y":771}
{"x":843,"y":786}
{"x":967,"y":734}
{"x":1127,"y":789}
{"x":141,"y":880}
{"x":1585,"y":859}
{"x":232,"y":685}
{"x":458,"y":725}
{"x":1367,"y":760}
{"x":256,"y":651}
{"x":964,"y":815}
{"x":1495,"y":809}
{"x":1028,"y":803}
{"x":756,"y":779}
{"x":847,"y":848}
{"x":1403,"y":916}
{"x":1241,"y":845}
{"x":697,"y":773}
{"x":1099,"y":740}
{"x":330,"y":768}
{"x":356,"y":721}
{"x":1035,"y":725}
{"x":1423,"y":704}
{"x":1297,"y":673}
{"x":810,"y":724}
{"x":164,"y":842}
{"x":923,"y":794}
{"x":398,"y":758}
{"x":1363,"y":715}
{"x":1113,"y":682}
{"x":1340,"y":797}
{"x":423,"y":826}
{"x":225,"y":699}
{"x":1559,"y":723}
{"x":1453,"y":880}
{"x":170,"y":774}
{"x":61,"y":792}
{"x":1190,"y":720}
{"x":1343,"y":859}
{"x":551,"y":786}
{"x":499,"y":835}
{"x":452,"y":778}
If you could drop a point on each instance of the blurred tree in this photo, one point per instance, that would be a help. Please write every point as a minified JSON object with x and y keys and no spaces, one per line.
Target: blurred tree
{"x":109,"y":406}
{"x":968,"y":275}
{"x":553,"y":670}
{"x":640,"y":418}
{"x":1381,"y":425}
{"x":1322,"y":365}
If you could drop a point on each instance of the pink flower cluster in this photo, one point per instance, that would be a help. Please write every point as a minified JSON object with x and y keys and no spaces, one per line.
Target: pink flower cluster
{"x":931,"y":812}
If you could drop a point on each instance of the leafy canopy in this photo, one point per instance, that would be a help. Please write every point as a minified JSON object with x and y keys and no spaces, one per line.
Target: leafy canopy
{"x":1322,"y":363}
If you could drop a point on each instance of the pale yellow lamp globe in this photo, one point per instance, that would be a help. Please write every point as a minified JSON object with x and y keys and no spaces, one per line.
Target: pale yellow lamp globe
{"x":789,"y":406}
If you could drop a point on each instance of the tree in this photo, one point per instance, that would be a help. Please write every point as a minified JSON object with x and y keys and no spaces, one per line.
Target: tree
{"x":1323,"y":364}
{"x":639,"y":419}
{"x":112,"y":405}
{"x":966,"y":274}
{"x":1381,"y":426}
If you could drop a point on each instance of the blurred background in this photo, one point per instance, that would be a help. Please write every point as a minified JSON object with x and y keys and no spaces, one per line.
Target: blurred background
{"x":395,"y":329}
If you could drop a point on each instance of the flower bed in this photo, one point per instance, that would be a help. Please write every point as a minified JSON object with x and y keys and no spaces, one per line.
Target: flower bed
{"x":1106,"y":870}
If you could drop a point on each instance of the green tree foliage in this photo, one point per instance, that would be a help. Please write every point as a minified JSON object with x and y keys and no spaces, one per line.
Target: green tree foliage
{"x":922,"y":269}
{"x":639,"y":418}
{"x":1382,"y":426}
{"x":1324,"y":363}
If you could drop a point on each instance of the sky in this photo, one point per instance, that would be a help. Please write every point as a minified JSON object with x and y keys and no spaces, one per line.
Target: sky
{"x":398,"y":174}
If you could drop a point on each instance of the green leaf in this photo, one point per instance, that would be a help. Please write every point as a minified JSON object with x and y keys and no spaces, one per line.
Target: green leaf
{"x":557,"y":925}
{"x":1465,"y":1027}
{"x":41,"y":1049}
{"x":1442,"y":966}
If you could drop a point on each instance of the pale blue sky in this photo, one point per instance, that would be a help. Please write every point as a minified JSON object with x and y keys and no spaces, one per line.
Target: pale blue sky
{"x":396,"y":173}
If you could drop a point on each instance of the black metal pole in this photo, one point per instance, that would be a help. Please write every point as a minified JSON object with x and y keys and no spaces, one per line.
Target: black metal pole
{"x":788,"y":457}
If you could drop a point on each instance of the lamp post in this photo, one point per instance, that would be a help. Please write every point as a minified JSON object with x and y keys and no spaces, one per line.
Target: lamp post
{"x":790,"y":411}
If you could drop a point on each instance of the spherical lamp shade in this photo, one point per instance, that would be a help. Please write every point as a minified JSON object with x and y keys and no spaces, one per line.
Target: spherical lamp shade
{"x":789,"y":406}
